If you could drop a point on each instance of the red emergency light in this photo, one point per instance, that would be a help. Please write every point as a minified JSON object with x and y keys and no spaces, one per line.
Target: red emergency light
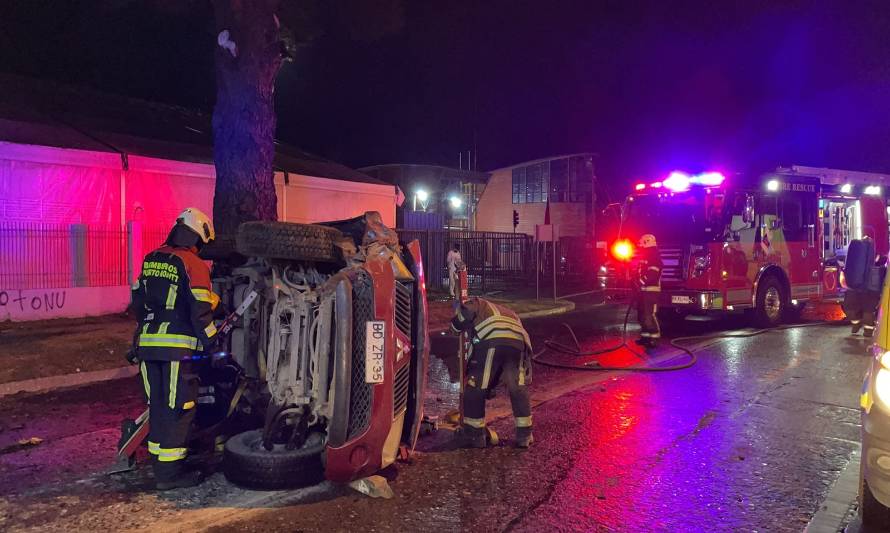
{"x":623,"y":250}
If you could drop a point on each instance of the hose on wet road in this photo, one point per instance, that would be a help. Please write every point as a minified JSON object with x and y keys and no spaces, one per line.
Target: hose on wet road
{"x":594,"y":365}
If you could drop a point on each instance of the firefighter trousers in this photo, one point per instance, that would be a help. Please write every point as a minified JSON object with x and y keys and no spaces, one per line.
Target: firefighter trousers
{"x":484,"y":369}
{"x":171,"y":391}
{"x":860,"y":307}
{"x":647,"y":307}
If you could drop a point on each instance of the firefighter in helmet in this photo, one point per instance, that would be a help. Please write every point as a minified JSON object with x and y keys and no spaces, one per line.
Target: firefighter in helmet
{"x":501,"y":348}
{"x":174,"y":308}
{"x":649,"y":270}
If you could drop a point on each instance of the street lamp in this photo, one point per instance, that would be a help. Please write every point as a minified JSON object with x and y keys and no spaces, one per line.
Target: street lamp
{"x":423,"y":196}
{"x":456,"y":202}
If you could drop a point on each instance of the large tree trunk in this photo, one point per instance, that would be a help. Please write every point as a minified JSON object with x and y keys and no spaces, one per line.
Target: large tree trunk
{"x":244,"y":115}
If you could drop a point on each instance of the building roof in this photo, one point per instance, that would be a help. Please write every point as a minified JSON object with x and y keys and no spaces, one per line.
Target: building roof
{"x":52,"y":114}
{"x":551,"y":158}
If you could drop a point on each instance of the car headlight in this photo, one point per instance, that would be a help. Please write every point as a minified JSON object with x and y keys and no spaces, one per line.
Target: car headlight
{"x":882,"y":380}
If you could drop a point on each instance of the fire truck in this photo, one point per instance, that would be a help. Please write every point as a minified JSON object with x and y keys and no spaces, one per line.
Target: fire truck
{"x":765,"y":243}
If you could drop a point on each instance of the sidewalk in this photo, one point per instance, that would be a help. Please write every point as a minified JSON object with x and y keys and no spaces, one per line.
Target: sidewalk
{"x":65,"y":352}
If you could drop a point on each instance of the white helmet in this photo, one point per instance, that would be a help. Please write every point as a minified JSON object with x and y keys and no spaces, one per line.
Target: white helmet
{"x":647,"y":241}
{"x":197,"y":221}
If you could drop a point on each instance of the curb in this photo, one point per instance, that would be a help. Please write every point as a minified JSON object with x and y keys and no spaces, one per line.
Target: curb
{"x":86,"y":378}
{"x":66,"y":380}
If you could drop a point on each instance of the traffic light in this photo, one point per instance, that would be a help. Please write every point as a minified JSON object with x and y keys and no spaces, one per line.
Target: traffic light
{"x":515,"y":218}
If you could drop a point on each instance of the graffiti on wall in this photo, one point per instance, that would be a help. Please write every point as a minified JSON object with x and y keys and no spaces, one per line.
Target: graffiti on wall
{"x":27,"y":301}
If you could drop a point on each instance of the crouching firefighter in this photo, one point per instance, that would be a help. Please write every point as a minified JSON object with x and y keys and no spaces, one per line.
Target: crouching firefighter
{"x":649,"y":266}
{"x":174,"y":308}
{"x":500,"y":348}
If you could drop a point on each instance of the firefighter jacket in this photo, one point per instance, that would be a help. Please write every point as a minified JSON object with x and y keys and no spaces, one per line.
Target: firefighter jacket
{"x":490,"y":325}
{"x":173,"y":304}
{"x":650,"y":266}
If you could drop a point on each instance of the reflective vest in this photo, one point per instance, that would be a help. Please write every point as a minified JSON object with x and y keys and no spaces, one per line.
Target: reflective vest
{"x":491,"y":324}
{"x":650,"y":266}
{"x":174,"y":305}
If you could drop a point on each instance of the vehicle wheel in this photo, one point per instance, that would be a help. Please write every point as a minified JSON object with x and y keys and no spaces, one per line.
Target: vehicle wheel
{"x":771,"y":302}
{"x":247,"y":463}
{"x":222,"y":247}
{"x":287,"y":240}
{"x":875,"y":516}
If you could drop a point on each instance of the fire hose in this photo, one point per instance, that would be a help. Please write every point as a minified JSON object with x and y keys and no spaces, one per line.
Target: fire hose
{"x":593,"y":365}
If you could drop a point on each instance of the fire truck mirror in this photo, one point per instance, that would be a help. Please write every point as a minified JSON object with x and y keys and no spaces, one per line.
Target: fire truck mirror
{"x":748,"y":215}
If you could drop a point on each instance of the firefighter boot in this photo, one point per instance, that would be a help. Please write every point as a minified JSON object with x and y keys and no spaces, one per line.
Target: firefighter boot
{"x":868,"y":331}
{"x":470,"y":437}
{"x":173,"y":475}
{"x":524,"y":437}
{"x":856,"y":326}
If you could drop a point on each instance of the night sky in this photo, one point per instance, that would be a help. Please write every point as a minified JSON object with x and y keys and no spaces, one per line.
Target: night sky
{"x":650,"y":86}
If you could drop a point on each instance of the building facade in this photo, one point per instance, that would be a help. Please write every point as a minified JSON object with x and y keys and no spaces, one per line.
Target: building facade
{"x":436,"y":197}
{"x":564,"y":183}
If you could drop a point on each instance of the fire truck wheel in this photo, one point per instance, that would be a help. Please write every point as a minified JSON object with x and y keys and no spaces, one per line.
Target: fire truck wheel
{"x":771,"y":302}
{"x":248,"y":464}
{"x":287,"y":240}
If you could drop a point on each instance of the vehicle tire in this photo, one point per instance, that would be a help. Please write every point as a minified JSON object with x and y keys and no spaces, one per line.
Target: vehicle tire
{"x":221,"y":248}
{"x":875,"y":517}
{"x":287,"y":240}
{"x":248,"y":464}
{"x":770,"y":303}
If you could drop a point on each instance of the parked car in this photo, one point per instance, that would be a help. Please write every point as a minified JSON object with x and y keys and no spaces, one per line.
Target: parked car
{"x":331,"y":358}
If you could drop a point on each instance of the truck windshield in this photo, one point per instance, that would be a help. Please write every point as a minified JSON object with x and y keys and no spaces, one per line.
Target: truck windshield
{"x":693,"y":217}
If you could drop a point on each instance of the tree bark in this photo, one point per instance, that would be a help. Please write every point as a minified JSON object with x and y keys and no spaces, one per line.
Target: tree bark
{"x":244,"y":114}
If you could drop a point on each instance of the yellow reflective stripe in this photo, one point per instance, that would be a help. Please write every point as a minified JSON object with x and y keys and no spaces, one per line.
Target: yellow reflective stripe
{"x":486,"y":374}
{"x":166,"y":455}
{"x":144,"y":372}
{"x":168,"y":341}
{"x":649,"y":288}
{"x":153,"y":447}
{"x":188,"y":405}
{"x":523,"y":421}
{"x":202,"y":295}
{"x":474,"y":422}
{"x":210,"y":330}
{"x":163,"y":329}
{"x":171,"y":296}
{"x":174,"y":381}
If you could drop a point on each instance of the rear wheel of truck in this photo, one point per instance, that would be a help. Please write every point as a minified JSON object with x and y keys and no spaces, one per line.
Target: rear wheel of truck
{"x":219,"y":249}
{"x":286,"y":240}
{"x":248,"y":464}
{"x":770,"y":303}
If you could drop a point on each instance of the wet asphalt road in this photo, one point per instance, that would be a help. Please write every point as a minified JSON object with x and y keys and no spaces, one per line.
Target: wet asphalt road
{"x":750,"y":438}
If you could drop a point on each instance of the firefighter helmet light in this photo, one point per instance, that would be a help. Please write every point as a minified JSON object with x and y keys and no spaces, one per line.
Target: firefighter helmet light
{"x":623,"y":250}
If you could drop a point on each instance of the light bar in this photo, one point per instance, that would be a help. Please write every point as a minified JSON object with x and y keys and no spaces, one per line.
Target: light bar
{"x":639,"y":186}
{"x":709,"y":179}
{"x":677,"y":181}
{"x":873,"y":190}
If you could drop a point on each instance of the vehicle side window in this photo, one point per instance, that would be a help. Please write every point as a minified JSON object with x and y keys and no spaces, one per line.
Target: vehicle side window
{"x":797,"y":212}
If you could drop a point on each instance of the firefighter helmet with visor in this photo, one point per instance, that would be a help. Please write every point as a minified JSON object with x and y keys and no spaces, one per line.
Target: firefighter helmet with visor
{"x":197,"y":221}
{"x":647,"y":241}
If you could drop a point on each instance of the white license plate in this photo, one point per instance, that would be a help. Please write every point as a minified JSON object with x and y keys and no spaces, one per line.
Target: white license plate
{"x":375,"y":335}
{"x":681,"y":299}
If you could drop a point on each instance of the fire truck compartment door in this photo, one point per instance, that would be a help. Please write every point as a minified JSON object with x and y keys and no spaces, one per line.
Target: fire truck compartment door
{"x":874,"y":222}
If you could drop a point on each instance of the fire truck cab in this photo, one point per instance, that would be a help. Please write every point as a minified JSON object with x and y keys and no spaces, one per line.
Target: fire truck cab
{"x":767,"y":244}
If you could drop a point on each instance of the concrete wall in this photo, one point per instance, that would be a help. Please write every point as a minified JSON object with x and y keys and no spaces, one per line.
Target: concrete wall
{"x":42,"y":304}
{"x":495,"y":210}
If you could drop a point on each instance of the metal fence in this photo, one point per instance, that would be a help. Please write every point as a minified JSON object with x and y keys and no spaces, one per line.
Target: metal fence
{"x":495,"y":261}
{"x":50,"y":256}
